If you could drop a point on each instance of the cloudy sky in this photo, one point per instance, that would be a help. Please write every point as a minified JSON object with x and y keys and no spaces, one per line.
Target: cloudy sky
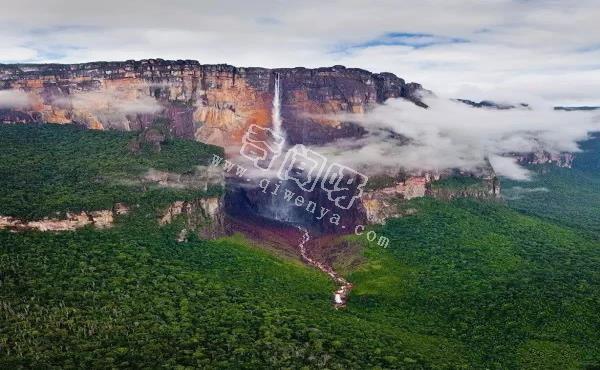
{"x":498,"y":49}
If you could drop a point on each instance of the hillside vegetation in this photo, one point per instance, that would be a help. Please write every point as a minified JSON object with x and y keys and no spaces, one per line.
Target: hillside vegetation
{"x":131,"y":296}
{"x":49,"y":168}
{"x":463,"y":284}
{"x":569,"y":196}
{"x":516,"y":290}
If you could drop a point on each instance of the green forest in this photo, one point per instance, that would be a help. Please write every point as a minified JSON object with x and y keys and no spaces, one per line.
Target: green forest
{"x":569,"y":196}
{"x":463,"y":283}
{"x":50,"y":168}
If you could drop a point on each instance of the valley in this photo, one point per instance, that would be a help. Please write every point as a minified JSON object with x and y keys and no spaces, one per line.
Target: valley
{"x":438,"y":296}
{"x":331,"y":185}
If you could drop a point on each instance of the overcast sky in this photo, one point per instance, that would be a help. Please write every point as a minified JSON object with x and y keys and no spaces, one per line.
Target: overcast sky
{"x":496,"y":49}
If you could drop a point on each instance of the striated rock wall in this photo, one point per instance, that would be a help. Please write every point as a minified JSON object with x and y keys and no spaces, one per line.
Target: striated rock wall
{"x":212,"y":103}
{"x":485,"y":190}
{"x":286,"y":202}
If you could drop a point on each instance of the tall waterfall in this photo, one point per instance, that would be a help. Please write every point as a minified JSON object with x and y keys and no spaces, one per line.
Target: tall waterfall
{"x":278,"y":208}
{"x":276,"y":112}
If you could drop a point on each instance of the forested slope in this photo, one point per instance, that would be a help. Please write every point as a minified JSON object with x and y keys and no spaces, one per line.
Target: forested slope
{"x":463,"y":283}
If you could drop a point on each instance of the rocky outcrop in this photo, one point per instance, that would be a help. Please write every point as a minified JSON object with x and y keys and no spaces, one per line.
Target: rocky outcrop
{"x":212,"y":103}
{"x":203,"y":216}
{"x":384,"y":203}
{"x":564,"y":159}
{"x":311,"y":97}
{"x":493,"y":105}
{"x":480,"y":184}
{"x":381,"y":204}
{"x":286,"y":202}
{"x":72,"y":221}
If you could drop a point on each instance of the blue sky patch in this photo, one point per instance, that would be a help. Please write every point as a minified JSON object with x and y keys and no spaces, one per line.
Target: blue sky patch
{"x":415,"y":40}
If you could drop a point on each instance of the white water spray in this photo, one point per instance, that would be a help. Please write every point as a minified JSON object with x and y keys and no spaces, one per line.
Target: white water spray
{"x":276,"y":112}
{"x":281,"y":210}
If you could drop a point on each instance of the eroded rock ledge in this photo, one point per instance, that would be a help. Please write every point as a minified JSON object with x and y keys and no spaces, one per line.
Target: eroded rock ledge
{"x":382,"y":204}
{"x":99,"y":219}
{"x":203,"y":216}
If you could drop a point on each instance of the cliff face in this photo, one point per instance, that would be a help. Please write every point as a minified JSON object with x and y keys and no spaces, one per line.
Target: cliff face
{"x":564,"y":159}
{"x":212,"y":103}
{"x":382,"y":203}
{"x":286,"y":202}
{"x":203,"y":216}
{"x":216,"y":104}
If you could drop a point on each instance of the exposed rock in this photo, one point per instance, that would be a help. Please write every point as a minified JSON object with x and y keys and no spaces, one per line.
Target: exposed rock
{"x":99,"y":219}
{"x":120,"y":209}
{"x":564,"y":159}
{"x":380,"y":209}
{"x":212,"y":103}
{"x":380,"y":204}
{"x":480,"y":184}
{"x":290,"y":204}
{"x":154,"y":138}
{"x":492,"y":105}
{"x":467,"y":192}
{"x":102,"y":219}
{"x":204,"y":216}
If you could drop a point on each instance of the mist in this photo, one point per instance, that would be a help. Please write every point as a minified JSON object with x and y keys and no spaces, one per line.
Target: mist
{"x":518,"y":192}
{"x":113,"y":105}
{"x":14,"y":99}
{"x":452,"y":135}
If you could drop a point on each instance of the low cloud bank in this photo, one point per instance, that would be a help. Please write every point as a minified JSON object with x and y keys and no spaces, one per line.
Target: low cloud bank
{"x":518,"y":192}
{"x":14,"y":99}
{"x":112,"y":105}
{"x":453,"y":135}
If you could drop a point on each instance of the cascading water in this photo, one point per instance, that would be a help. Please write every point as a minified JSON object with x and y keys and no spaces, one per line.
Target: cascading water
{"x":340,"y":296}
{"x":279,"y":209}
{"x":276,"y":111}
{"x":271,"y":204}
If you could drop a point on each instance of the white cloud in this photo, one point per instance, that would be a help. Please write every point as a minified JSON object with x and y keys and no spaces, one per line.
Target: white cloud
{"x":451,"y":135}
{"x":112,"y":105}
{"x":546,"y":48}
{"x":518,"y":192}
{"x":542,"y":52}
{"x":14,"y":99}
{"x":508,"y":167}
{"x":17,"y":54}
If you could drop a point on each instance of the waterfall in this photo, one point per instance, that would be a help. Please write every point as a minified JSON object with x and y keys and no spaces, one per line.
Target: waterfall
{"x":276,"y":112}
{"x":279,"y":209}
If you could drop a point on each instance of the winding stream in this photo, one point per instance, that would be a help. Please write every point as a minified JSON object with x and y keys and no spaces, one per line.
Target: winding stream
{"x":340,"y":296}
